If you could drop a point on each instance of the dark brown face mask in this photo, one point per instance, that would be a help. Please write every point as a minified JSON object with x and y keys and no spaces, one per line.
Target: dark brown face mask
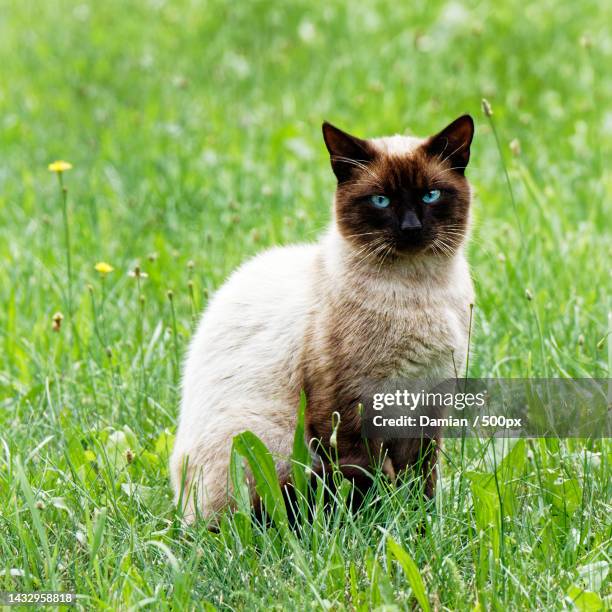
{"x":400,"y":203}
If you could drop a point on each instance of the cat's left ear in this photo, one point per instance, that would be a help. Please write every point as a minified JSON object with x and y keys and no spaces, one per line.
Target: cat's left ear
{"x":453,"y":143}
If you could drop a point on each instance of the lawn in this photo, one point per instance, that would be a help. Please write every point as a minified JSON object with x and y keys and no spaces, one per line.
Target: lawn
{"x":194,"y":133}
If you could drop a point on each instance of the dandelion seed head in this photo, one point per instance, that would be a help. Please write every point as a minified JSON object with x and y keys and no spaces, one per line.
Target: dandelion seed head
{"x":137,"y":273}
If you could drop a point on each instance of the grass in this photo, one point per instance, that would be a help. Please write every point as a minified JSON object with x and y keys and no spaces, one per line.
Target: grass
{"x":194,"y":132}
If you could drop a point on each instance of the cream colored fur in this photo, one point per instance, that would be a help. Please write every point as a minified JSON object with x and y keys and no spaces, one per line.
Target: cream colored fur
{"x":244,"y":367}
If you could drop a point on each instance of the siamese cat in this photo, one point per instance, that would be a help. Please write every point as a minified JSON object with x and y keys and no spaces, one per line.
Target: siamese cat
{"x":385,"y":293}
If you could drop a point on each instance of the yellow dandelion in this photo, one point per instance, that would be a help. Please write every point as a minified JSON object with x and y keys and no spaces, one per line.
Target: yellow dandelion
{"x":60,"y":166}
{"x":103,"y":268}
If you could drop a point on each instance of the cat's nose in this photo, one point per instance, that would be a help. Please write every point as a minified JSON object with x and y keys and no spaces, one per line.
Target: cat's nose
{"x":410,"y":221}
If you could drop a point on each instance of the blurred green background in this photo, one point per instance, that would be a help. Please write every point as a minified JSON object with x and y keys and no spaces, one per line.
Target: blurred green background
{"x":194,"y":131}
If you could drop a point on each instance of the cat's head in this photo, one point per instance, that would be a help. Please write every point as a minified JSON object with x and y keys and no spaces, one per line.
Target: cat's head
{"x":402,"y":195}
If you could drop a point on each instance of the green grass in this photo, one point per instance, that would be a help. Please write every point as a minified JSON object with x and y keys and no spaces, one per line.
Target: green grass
{"x":194,"y":131}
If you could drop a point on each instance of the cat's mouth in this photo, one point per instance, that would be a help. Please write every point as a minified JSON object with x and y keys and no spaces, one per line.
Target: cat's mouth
{"x":425,"y":242}
{"x":387,"y":247}
{"x":412,"y":241}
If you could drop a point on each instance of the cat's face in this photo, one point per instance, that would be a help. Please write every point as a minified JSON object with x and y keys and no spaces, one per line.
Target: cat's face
{"x":399,"y":195}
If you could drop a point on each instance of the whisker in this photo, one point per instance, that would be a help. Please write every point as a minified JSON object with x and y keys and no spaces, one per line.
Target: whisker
{"x":461,"y":146}
{"x":447,"y":170}
{"x":358,"y":235}
{"x":376,"y":250}
{"x":384,"y":257}
{"x":358,"y":164}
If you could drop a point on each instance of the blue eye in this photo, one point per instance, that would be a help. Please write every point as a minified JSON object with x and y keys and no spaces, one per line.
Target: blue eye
{"x":380,"y":201}
{"x":431,"y":196}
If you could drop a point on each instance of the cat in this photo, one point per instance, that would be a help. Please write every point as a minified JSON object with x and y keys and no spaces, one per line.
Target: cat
{"x":386,"y":292}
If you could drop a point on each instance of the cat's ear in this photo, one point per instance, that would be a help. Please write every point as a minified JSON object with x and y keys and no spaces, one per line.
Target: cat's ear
{"x":346,"y":152}
{"x":453,"y":143}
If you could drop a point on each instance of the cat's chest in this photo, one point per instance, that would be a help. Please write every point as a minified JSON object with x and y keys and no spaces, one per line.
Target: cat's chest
{"x":401,"y":339}
{"x":426,"y":340}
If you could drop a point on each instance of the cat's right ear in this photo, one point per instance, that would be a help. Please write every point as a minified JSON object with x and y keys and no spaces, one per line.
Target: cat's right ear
{"x":452,"y":144}
{"x":346,"y":152}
